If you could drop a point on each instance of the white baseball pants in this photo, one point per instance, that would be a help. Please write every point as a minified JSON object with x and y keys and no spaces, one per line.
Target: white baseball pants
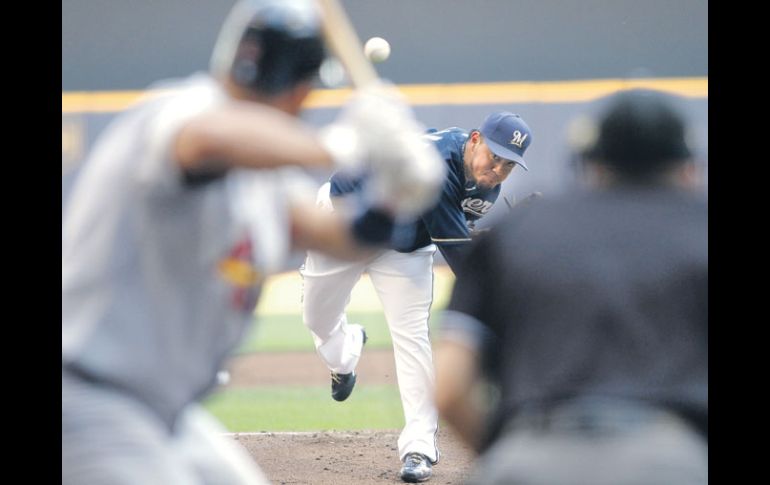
{"x":404,"y":285}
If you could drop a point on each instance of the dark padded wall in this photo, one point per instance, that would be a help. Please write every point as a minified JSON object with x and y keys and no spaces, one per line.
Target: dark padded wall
{"x":109,"y":45}
{"x":113,"y":45}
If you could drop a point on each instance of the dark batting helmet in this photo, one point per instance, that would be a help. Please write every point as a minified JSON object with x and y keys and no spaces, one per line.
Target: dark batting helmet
{"x":268,"y":46}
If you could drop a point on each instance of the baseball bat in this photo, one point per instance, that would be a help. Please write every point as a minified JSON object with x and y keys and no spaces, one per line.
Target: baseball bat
{"x":344,"y":42}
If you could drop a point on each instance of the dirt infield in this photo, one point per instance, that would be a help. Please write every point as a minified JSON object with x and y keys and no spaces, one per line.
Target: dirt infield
{"x":334,"y":458}
{"x":356,"y":457}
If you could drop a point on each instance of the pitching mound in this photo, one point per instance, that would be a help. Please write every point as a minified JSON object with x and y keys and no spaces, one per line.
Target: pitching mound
{"x":355,"y":457}
{"x":334,"y":458}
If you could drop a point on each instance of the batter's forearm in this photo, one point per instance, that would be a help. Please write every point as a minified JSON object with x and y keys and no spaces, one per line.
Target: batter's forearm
{"x":249,"y":136}
{"x":329,"y":232}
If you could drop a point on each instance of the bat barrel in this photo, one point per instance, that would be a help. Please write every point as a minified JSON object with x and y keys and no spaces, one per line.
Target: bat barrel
{"x":344,"y":41}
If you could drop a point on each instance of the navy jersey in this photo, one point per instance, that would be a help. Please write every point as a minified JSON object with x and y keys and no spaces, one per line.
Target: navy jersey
{"x":447,"y":223}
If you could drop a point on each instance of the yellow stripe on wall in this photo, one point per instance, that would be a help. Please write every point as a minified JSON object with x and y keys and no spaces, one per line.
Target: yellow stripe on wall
{"x":438,"y":94}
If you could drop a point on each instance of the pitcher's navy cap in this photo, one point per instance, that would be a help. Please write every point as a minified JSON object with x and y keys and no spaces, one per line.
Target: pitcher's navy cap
{"x":507,"y":135}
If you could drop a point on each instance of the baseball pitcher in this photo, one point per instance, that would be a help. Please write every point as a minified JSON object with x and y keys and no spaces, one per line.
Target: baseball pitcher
{"x":477,"y":162}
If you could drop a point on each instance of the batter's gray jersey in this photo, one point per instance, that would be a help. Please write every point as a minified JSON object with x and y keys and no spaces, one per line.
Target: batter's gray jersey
{"x":159,"y":278}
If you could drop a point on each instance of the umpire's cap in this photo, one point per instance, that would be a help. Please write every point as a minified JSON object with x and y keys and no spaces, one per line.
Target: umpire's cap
{"x":269,"y":46}
{"x":640,"y":131}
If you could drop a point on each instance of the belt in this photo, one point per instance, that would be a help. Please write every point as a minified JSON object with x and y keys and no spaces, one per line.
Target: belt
{"x":587,"y":414}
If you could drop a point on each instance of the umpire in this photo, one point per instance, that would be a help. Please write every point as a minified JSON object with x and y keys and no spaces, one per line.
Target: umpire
{"x":589,"y":314}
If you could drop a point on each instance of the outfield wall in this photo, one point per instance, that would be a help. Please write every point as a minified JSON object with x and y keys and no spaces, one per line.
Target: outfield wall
{"x":457,"y":60}
{"x":548,"y":107}
{"x":119,"y":45}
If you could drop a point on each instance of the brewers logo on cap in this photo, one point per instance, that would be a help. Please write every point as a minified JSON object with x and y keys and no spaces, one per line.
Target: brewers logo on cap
{"x":507,"y":135}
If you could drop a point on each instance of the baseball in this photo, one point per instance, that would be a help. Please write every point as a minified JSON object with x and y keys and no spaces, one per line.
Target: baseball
{"x":223,"y":377}
{"x":377,"y":49}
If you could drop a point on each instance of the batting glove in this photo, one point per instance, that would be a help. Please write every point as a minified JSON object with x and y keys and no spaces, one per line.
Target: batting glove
{"x":377,"y":133}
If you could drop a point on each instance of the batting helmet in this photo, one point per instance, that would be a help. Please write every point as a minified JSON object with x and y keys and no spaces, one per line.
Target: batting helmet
{"x":268,"y":46}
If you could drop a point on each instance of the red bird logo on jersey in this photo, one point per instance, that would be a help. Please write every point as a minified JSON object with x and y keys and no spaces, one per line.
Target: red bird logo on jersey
{"x":238,"y":270}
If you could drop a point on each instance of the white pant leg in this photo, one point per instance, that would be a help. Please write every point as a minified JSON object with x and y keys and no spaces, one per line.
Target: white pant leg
{"x":326,"y":286}
{"x":404,"y":283}
{"x":110,"y":437}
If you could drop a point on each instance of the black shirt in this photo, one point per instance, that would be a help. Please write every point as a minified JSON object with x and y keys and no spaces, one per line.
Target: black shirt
{"x":594,"y":294}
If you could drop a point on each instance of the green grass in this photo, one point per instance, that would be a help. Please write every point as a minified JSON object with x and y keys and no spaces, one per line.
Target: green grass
{"x":306,"y":409}
{"x":279,"y":328}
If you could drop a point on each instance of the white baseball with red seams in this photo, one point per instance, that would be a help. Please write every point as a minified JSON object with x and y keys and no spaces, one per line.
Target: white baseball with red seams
{"x":377,"y":49}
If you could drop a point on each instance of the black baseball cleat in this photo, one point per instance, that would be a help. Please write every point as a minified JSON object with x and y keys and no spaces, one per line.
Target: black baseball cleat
{"x":342,"y":384}
{"x":417,"y":468}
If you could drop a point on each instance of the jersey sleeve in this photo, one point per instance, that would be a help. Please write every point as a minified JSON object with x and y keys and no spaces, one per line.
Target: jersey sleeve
{"x":157,"y":167}
{"x":260,"y":200}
